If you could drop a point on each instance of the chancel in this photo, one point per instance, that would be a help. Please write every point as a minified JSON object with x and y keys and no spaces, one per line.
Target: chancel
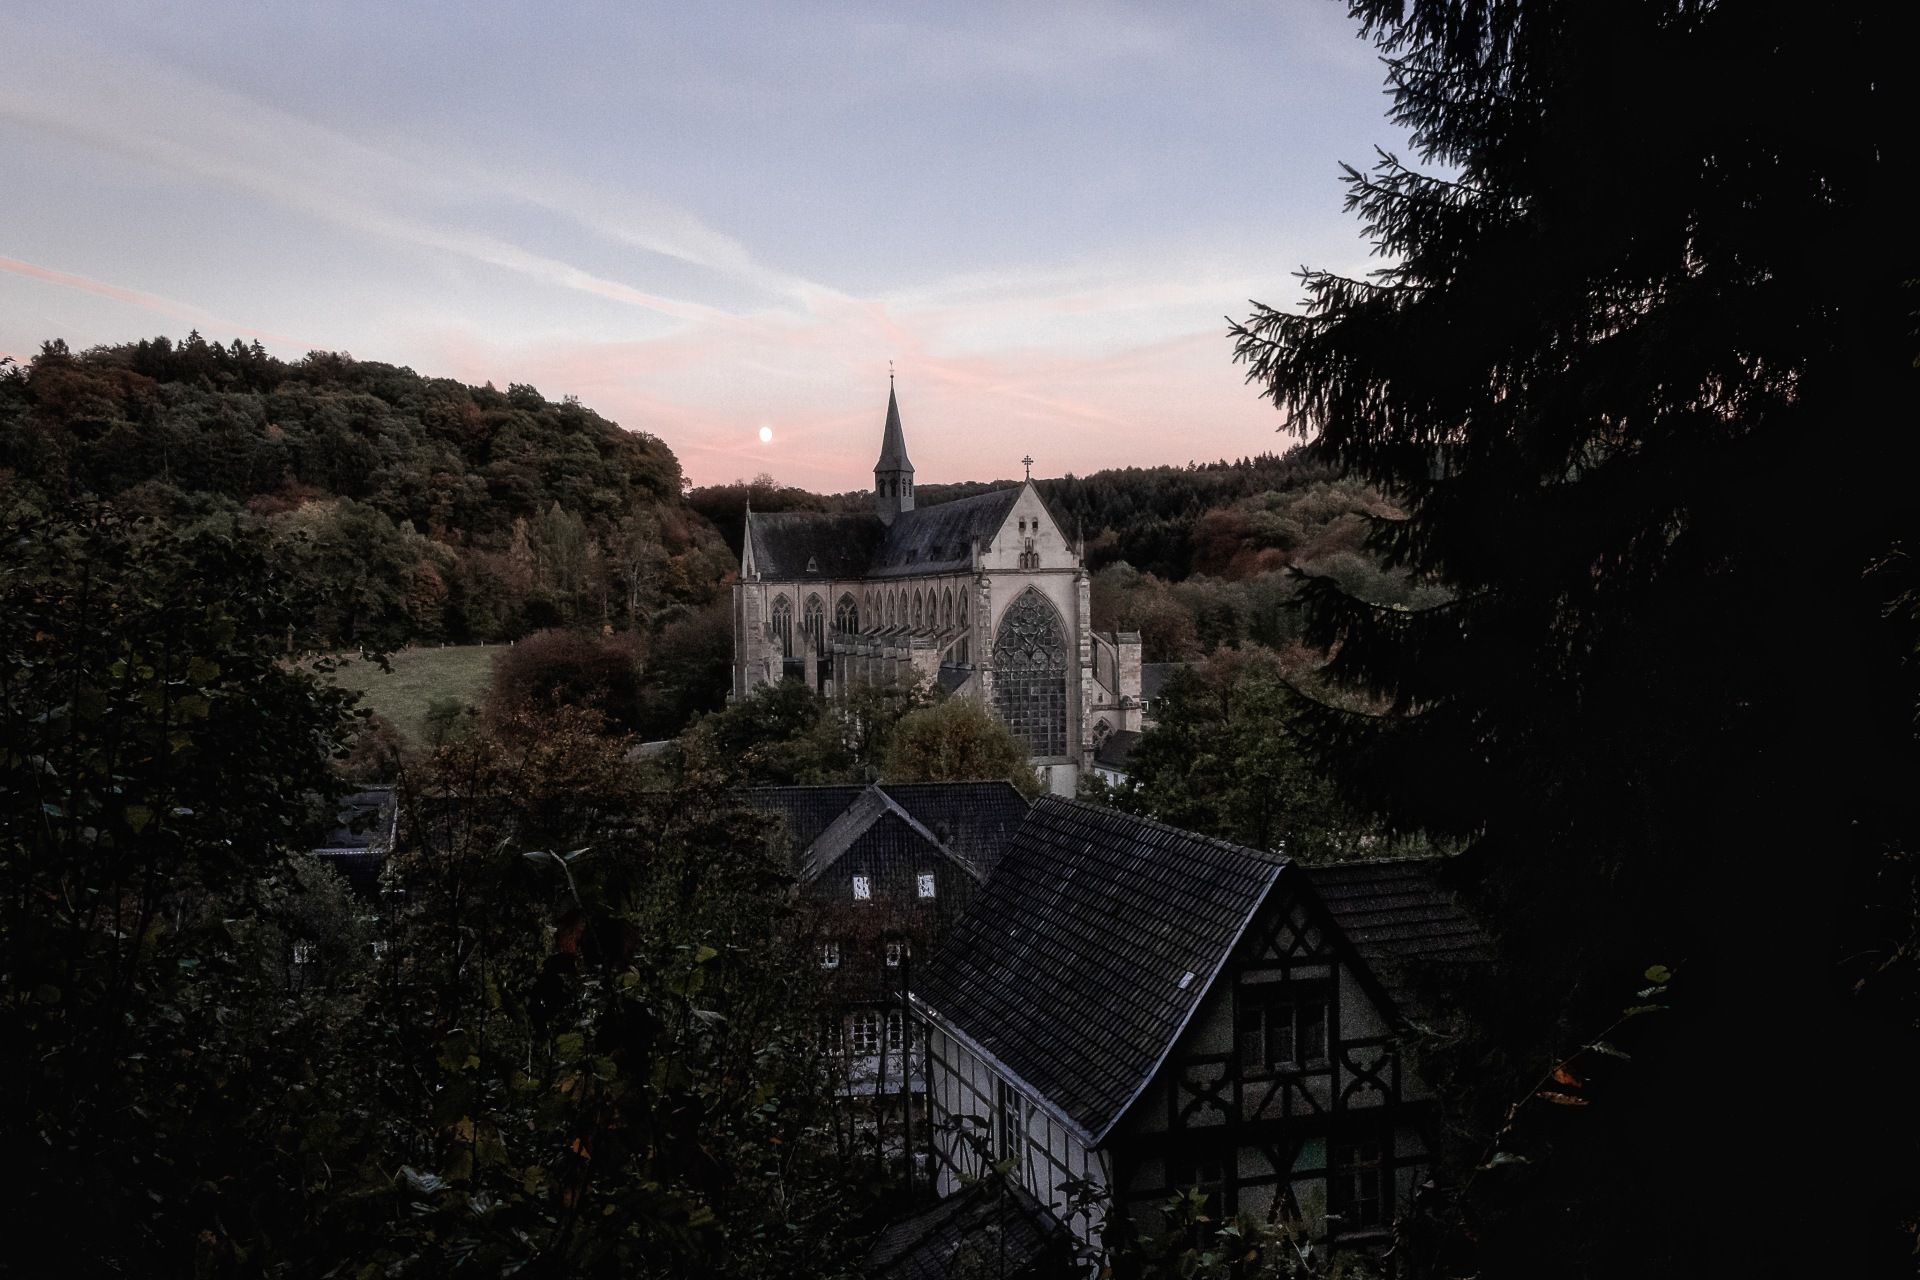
{"x":986,"y":596}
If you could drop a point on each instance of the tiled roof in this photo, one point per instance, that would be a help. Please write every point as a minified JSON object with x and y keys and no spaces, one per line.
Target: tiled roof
{"x":1154,"y":676}
{"x":969,"y":821}
{"x":872,"y":818}
{"x":939,"y":539}
{"x":807,"y":811}
{"x":1402,"y":921}
{"x":1083,"y":958}
{"x":842,"y":545}
{"x":973,"y":819}
{"x":1114,"y":752}
{"x":992,"y":1228}
{"x":835,"y":544}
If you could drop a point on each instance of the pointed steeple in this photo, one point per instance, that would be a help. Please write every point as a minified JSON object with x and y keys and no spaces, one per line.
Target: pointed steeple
{"x":893,"y":473}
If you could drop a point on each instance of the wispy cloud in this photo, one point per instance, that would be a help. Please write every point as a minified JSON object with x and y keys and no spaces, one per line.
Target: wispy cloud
{"x":139,"y":298}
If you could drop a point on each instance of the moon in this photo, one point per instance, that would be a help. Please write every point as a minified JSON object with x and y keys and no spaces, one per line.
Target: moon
{"x":766,"y":435}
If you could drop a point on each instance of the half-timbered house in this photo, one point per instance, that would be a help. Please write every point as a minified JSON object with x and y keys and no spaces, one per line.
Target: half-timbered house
{"x":1127,"y":1010}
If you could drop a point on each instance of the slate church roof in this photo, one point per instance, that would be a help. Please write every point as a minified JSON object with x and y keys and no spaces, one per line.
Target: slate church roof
{"x":798,"y":545}
{"x":893,"y":441}
{"x":1089,"y":949}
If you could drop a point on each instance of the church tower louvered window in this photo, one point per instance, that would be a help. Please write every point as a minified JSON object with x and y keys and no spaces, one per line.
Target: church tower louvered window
{"x":782,"y":625}
{"x":1030,"y":674}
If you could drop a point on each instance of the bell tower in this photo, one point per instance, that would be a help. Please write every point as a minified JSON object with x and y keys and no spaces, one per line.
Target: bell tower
{"x":893,"y":474}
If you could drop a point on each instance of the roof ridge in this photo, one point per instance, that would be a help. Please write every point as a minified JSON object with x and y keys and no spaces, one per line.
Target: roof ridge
{"x":921,"y":827}
{"x":1264,"y":855}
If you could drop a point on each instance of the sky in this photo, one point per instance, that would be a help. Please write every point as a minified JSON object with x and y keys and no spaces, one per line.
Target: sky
{"x":708,"y":219}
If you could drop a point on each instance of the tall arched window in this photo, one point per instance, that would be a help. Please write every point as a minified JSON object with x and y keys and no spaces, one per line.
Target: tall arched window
{"x":946,"y":610}
{"x":916,"y":610}
{"x":815,"y":621}
{"x":846,"y":617}
{"x":963,"y":606}
{"x":1030,"y":674}
{"x":782,"y":625}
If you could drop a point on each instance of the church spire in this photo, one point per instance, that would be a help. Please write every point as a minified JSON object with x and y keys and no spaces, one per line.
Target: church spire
{"x":893,"y":473}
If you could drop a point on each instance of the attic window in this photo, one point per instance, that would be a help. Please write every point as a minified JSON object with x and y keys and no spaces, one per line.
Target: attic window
{"x":829,"y":955}
{"x":862,"y":889}
{"x":813,"y":565}
{"x":926,"y":884}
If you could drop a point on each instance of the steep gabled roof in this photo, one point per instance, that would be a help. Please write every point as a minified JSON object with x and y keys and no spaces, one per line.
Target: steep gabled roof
{"x":975,"y":820}
{"x":1403,"y":922}
{"x":967,"y":823}
{"x":807,"y":811}
{"x":893,"y":442}
{"x":939,"y":539}
{"x":789,"y":545}
{"x":1080,"y":963}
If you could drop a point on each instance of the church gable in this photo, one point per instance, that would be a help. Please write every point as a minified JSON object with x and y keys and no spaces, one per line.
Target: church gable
{"x":1029,"y":537}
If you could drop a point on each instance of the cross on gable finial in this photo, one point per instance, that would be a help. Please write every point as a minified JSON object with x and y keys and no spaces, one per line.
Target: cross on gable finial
{"x":1027,"y":462}
{"x":889,"y":373}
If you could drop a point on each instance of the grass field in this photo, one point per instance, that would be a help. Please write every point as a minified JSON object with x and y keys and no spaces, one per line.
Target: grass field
{"x":418,"y":677}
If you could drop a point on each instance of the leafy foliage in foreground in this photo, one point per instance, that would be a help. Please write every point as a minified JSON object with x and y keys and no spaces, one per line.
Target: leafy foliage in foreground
{"x":573,"y":1042}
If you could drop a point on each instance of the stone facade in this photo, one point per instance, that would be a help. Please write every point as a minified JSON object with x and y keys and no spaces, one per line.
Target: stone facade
{"x":986,"y":597}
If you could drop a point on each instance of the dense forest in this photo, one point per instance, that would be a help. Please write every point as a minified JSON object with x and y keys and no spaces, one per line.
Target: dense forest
{"x":426,"y":509}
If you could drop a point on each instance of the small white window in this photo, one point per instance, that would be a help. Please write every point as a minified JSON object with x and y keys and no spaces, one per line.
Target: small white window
{"x":926,"y":884}
{"x":862,"y":889}
{"x":896,"y":1035}
{"x":379,"y":948}
{"x":829,"y":955}
{"x":303,"y":953}
{"x":896,"y":952}
{"x":866,"y":1033}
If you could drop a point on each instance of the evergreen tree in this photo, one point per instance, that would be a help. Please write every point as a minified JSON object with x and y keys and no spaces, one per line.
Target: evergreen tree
{"x":1658,"y":261}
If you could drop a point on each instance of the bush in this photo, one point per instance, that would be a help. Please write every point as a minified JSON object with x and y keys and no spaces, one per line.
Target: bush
{"x":555,"y":669}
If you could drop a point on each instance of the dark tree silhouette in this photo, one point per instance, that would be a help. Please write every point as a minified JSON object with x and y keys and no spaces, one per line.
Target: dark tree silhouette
{"x":1653,"y":292}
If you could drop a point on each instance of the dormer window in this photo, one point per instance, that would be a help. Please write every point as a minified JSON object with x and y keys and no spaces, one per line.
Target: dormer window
{"x":862,"y":888}
{"x":829,"y":955}
{"x":813,"y":565}
{"x":926,"y":884}
{"x":896,"y":953}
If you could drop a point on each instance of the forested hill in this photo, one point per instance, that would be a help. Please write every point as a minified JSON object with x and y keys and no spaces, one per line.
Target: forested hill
{"x":420,"y":508}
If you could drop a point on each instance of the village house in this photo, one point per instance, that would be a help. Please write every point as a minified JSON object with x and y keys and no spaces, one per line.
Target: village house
{"x":1127,"y":1010}
{"x":986,"y":597}
{"x":885,"y":870}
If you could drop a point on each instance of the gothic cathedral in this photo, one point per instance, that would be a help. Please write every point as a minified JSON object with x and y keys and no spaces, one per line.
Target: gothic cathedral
{"x":984,"y":596}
